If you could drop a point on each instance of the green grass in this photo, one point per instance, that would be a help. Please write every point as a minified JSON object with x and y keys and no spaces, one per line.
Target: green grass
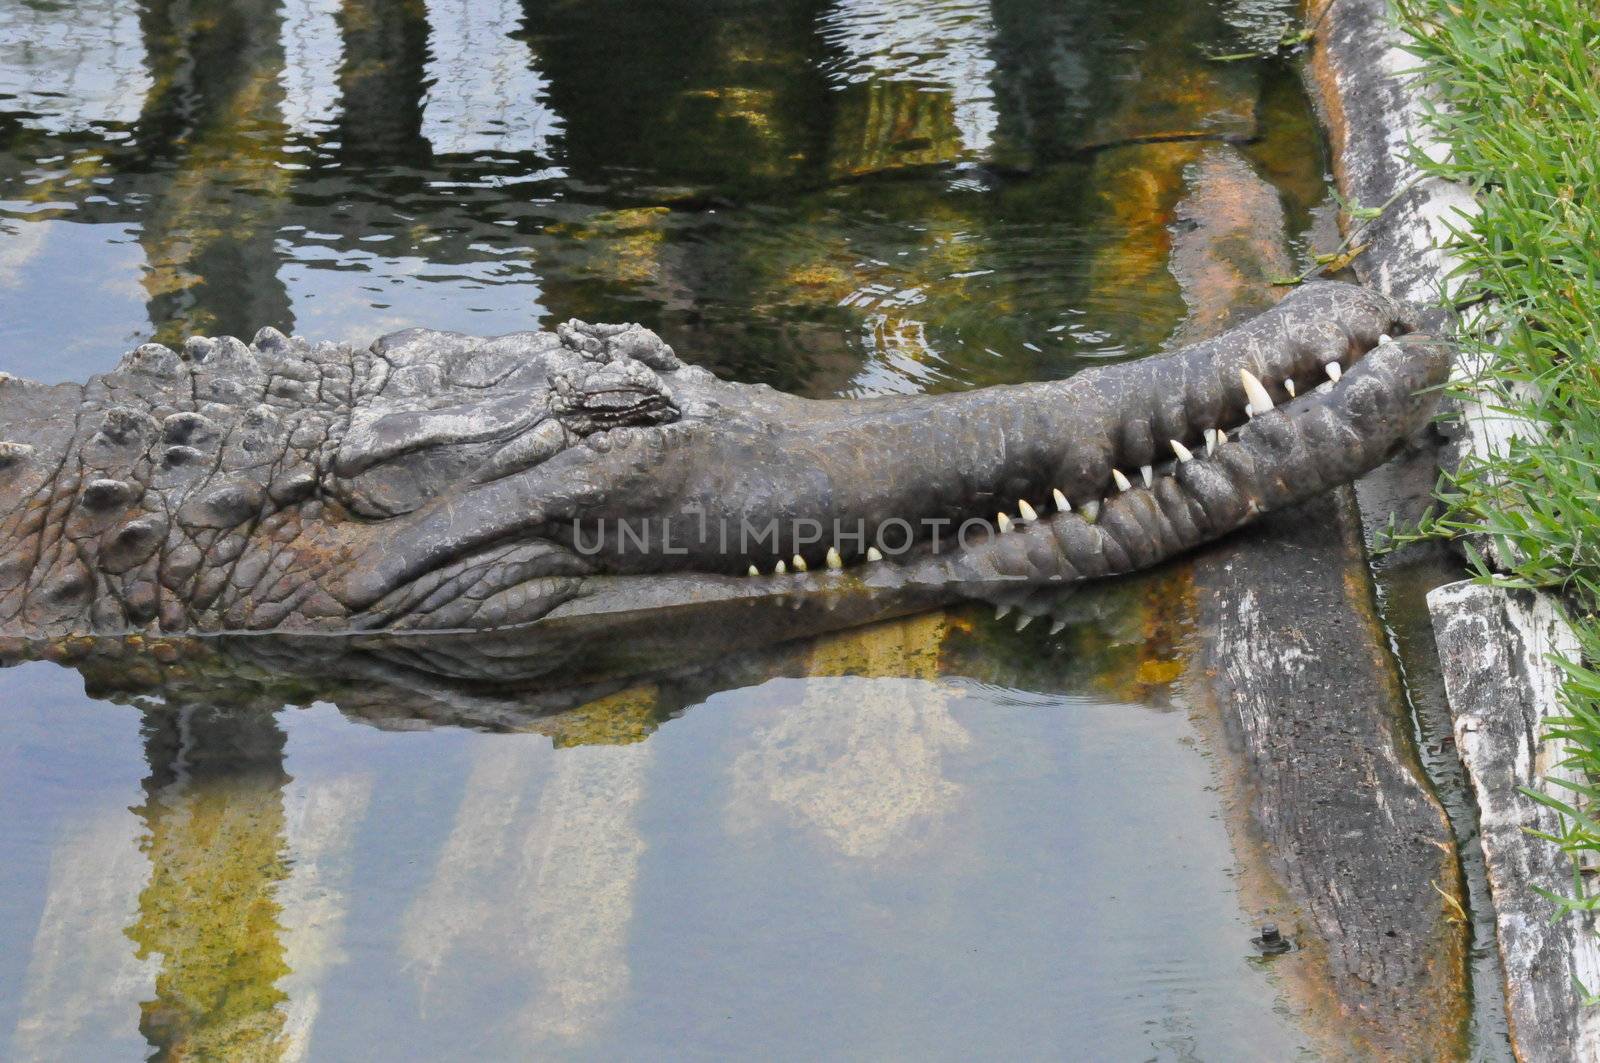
{"x":1520,"y":81}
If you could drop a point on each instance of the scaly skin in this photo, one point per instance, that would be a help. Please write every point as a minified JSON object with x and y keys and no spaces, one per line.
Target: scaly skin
{"x":440,"y":482}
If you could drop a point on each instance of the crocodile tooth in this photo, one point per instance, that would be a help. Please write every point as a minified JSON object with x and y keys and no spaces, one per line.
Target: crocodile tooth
{"x":1288,"y":385}
{"x":1091,"y":511}
{"x":1211,"y":441}
{"x":1004,"y":522}
{"x":1055,"y":628}
{"x":1061,"y":500}
{"x":1149,"y":474}
{"x":1026,"y":510}
{"x":1024,"y":620}
{"x":874,"y":554}
{"x":1384,"y":338}
{"x":779,"y":569}
{"x":1120,"y":480}
{"x":799,"y":563}
{"x":1184,"y":453}
{"x":1000,"y":611}
{"x":753,"y":571}
{"x":1259,"y":401}
{"x":1334,"y":371}
{"x":834,"y":560}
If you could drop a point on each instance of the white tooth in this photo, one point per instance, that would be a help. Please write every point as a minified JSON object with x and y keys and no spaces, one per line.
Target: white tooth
{"x":1056,"y":627}
{"x":834,"y":560}
{"x":1211,"y":441}
{"x":799,"y":563}
{"x":753,"y":571}
{"x":1061,"y":500}
{"x":1024,"y":620}
{"x":1026,"y":510}
{"x":1288,"y":385}
{"x":1004,"y":522}
{"x":1149,"y":474}
{"x":1120,"y":480}
{"x":1091,"y":511}
{"x":1000,"y":611}
{"x":874,"y":554}
{"x":1334,"y":372}
{"x":1384,"y":338}
{"x":1184,"y":453}
{"x":1260,"y":401}
{"x":779,"y":569}
{"x":1222,"y":436}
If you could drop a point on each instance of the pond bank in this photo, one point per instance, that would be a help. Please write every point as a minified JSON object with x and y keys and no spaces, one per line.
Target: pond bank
{"x":1342,"y":842}
{"x":1495,"y":644}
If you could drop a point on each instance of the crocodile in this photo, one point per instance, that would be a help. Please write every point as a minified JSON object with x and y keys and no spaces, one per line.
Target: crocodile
{"x":436,"y":481}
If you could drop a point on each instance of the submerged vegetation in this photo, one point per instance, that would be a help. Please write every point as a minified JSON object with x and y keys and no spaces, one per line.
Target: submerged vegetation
{"x":1519,"y":83}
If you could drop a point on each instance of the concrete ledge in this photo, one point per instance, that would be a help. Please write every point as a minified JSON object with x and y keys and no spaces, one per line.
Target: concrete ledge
{"x":1495,"y":646}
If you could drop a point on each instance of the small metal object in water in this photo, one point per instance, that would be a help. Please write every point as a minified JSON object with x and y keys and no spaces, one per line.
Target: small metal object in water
{"x":1270,"y":942}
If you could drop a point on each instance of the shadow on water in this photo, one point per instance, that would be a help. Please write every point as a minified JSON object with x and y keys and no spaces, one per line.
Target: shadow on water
{"x":941,"y":835}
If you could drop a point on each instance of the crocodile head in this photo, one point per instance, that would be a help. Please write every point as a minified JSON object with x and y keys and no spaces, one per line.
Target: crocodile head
{"x":439,"y":481}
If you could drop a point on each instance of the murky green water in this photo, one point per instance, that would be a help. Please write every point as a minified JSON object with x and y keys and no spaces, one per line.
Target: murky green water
{"x":948,"y":840}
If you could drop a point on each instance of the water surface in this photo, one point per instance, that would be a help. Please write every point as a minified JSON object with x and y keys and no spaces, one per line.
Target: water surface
{"x":937,"y":838}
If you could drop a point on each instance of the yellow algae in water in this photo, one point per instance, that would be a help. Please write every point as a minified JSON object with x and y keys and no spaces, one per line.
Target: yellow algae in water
{"x":746,"y":118}
{"x":618,"y":719}
{"x":830,"y":278}
{"x":909,"y":647}
{"x":893,"y":290}
{"x":621,"y":245}
{"x":1158,"y":673}
{"x":1136,"y":194}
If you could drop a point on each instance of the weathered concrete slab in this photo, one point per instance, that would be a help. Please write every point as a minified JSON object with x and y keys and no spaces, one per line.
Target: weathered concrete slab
{"x":1376,"y":118}
{"x":1375,"y":114}
{"x":1493,"y":646}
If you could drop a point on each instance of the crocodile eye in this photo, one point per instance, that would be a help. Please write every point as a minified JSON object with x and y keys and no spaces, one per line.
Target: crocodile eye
{"x":593,"y":398}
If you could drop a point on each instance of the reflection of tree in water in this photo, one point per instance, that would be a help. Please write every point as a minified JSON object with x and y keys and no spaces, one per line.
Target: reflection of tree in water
{"x":381,"y":81}
{"x":917,"y":78}
{"x":536,"y":890}
{"x":215,"y":122}
{"x":676,"y":163}
{"x":860,"y":757}
{"x":82,"y":977}
{"x":215,"y":820}
{"x":243,"y":910}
